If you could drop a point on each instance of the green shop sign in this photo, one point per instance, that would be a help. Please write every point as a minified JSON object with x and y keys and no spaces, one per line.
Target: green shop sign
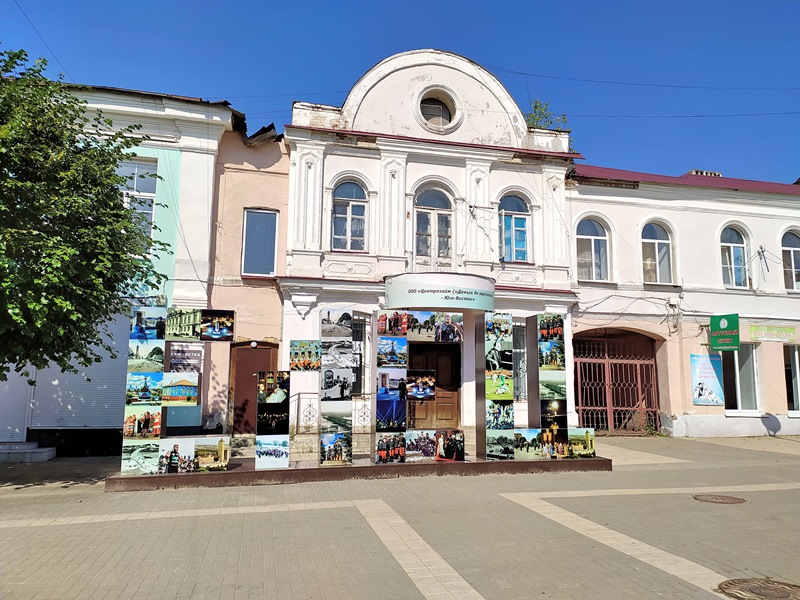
{"x":724,"y":332}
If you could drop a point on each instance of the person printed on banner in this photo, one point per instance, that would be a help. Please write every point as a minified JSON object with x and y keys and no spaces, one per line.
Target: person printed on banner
{"x":157,"y":424}
{"x":447,"y":331}
{"x":403,"y":389}
{"x":382,"y":323}
{"x":174,"y":460}
{"x":130,"y":425}
{"x":161,"y":328}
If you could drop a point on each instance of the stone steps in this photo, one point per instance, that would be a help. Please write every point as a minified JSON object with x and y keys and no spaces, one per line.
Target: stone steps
{"x":27,"y":452}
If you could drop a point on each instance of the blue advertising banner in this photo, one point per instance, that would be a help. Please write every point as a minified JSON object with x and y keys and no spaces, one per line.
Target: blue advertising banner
{"x":707,"y":380}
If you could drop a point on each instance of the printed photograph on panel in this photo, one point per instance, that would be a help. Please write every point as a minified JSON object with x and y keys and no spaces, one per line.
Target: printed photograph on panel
{"x":393,"y":322}
{"x":216,"y":325}
{"x":421,"y":326}
{"x":499,"y":326}
{"x":176,"y":455}
{"x":145,"y":355}
{"x":390,"y":447}
{"x":180,"y":389}
{"x":273,"y":418}
{"x":499,"y":414}
{"x":449,"y":327}
{"x":449,"y":445}
{"x":304,"y":355}
{"x":551,"y":356}
{"x":141,"y":421}
{"x":139,"y":457}
{"x":212,"y":453}
{"x":552,"y":385}
{"x":421,"y":385}
{"x":500,"y":385}
{"x":144,"y":388}
{"x":178,"y":421}
{"x":581,"y":442}
{"x":183,"y":325}
{"x":184,"y":357}
{"x":336,"y":448}
{"x":551,"y":328}
{"x":338,"y":354}
{"x":393,"y":352}
{"x":148,"y":323}
{"x":336,"y":417}
{"x":336,"y":384}
{"x":272,"y":451}
{"x":420,"y":445}
{"x":499,"y":345}
{"x":391,"y":400}
{"x":499,"y":444}
{"x":528,"y":444}
{"x":336,"y":324}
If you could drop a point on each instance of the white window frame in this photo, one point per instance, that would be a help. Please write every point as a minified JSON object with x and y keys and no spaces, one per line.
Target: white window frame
{"x":244,"y":242}
{"x":658,"y":245}
{"x":592,"y":239}
{"x":526,"y":228}
{"x":739,"y":411}
{"x":792,"y":268}
{"x":731,"y":266}
{"x":433,"y":223}
{"x":141,"y":167}
{"x":349,"y":202}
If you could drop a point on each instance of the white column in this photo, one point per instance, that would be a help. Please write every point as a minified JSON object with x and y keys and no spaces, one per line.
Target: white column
{"x":391,"y":207}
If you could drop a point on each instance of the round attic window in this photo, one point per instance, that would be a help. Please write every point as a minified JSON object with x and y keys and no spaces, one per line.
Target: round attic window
{"x":438,"y":111}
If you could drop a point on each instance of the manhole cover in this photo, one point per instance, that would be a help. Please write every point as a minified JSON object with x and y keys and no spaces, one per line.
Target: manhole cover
{"x":716,"y":499}
{"x":755,"y":589}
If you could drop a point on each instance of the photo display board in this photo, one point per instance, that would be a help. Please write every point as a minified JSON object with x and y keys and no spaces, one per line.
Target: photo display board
{"x":272,"y":420}
{"x":401,"y":390}
{"x":165,"y":429}
{"x":337,"y":379}
{"x":498,"y":346}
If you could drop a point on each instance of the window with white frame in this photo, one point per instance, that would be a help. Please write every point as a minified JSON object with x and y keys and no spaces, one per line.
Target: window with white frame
{"x":791,"y":260}
{"x":514,"y":229}
{"x":349,"y":217}
{"x":791,"y":365}
{"x":734,"y":258}
{"x":260,"y":243}
{"x":140,"y":189}
{"x":592,"y":248}
{"x":433,"y":230}
{"x":739,"y":378}
{"x":656,"y":254}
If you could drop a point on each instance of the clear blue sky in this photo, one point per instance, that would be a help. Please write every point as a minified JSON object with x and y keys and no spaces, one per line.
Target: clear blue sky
{"x":262,"y":55}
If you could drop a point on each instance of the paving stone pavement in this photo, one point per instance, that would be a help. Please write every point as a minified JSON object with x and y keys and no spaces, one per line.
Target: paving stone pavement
{"x":633,"y":533}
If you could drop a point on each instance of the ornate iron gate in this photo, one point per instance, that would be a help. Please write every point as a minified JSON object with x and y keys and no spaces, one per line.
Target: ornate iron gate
{"x":616,"y":388}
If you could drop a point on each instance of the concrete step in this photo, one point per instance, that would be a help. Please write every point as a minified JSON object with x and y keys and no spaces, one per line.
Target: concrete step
{"x":27,"y":453}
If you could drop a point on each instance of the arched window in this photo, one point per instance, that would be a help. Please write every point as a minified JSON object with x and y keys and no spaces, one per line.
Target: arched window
{"x":592,"y":244}
{"x":656,"y":254}
{"x":433,"y":231}
{"x":349,"y":217}
{"x":791,"y":260}
{"x":734,"y":258}
{"x":514,"y":229}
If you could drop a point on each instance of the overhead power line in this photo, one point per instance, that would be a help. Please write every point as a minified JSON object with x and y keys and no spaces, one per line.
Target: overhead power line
{"x":640,"y":84}
{"x":63,"y":68}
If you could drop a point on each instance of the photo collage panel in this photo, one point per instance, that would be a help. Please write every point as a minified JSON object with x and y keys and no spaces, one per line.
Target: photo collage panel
{"x":163,"y":392}
{"x":304,"y":355}
{"x":272,"y":419}
{"x":338,"y":363}
{"x":499,"y":346}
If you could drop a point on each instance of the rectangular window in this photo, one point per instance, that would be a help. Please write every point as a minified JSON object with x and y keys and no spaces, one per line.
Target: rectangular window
{"x":739,"y":378}
{"x":259,"y":247}
{"x":423,"y":234}
{"x":584,"y":258}
{"x":791,"y":365}
{"x":443,"y":235}
{"x":348,"y":226}
{"x":140,"y":189}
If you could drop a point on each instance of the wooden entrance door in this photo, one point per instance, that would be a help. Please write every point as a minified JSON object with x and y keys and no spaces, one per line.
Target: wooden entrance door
{"x":249,"y":366}
{"x":445,"y":359}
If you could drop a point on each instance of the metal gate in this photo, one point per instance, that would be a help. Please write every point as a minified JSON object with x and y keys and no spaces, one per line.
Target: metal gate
{"x":616,"y":388}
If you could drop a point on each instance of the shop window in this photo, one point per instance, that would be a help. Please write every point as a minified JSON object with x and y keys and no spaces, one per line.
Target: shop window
{"x":514,"y":229}
{"x":592,"y":245}
{"x":791,"y":260}
{"x":734,"y":258}
{"x":739,"y":378}
{"x":259,"y":246}
{"x":433,"y":231}
{"x":791,"y":363}
{"x":656,"y":254}
{"x":140,"y":189}
{"x":349,"y":217}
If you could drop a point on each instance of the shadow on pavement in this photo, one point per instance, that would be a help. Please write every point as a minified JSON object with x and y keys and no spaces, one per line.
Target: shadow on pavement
{"x":60,"y":472}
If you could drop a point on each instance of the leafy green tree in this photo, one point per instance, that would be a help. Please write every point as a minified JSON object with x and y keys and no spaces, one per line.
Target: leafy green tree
{"x":70,"y":243}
